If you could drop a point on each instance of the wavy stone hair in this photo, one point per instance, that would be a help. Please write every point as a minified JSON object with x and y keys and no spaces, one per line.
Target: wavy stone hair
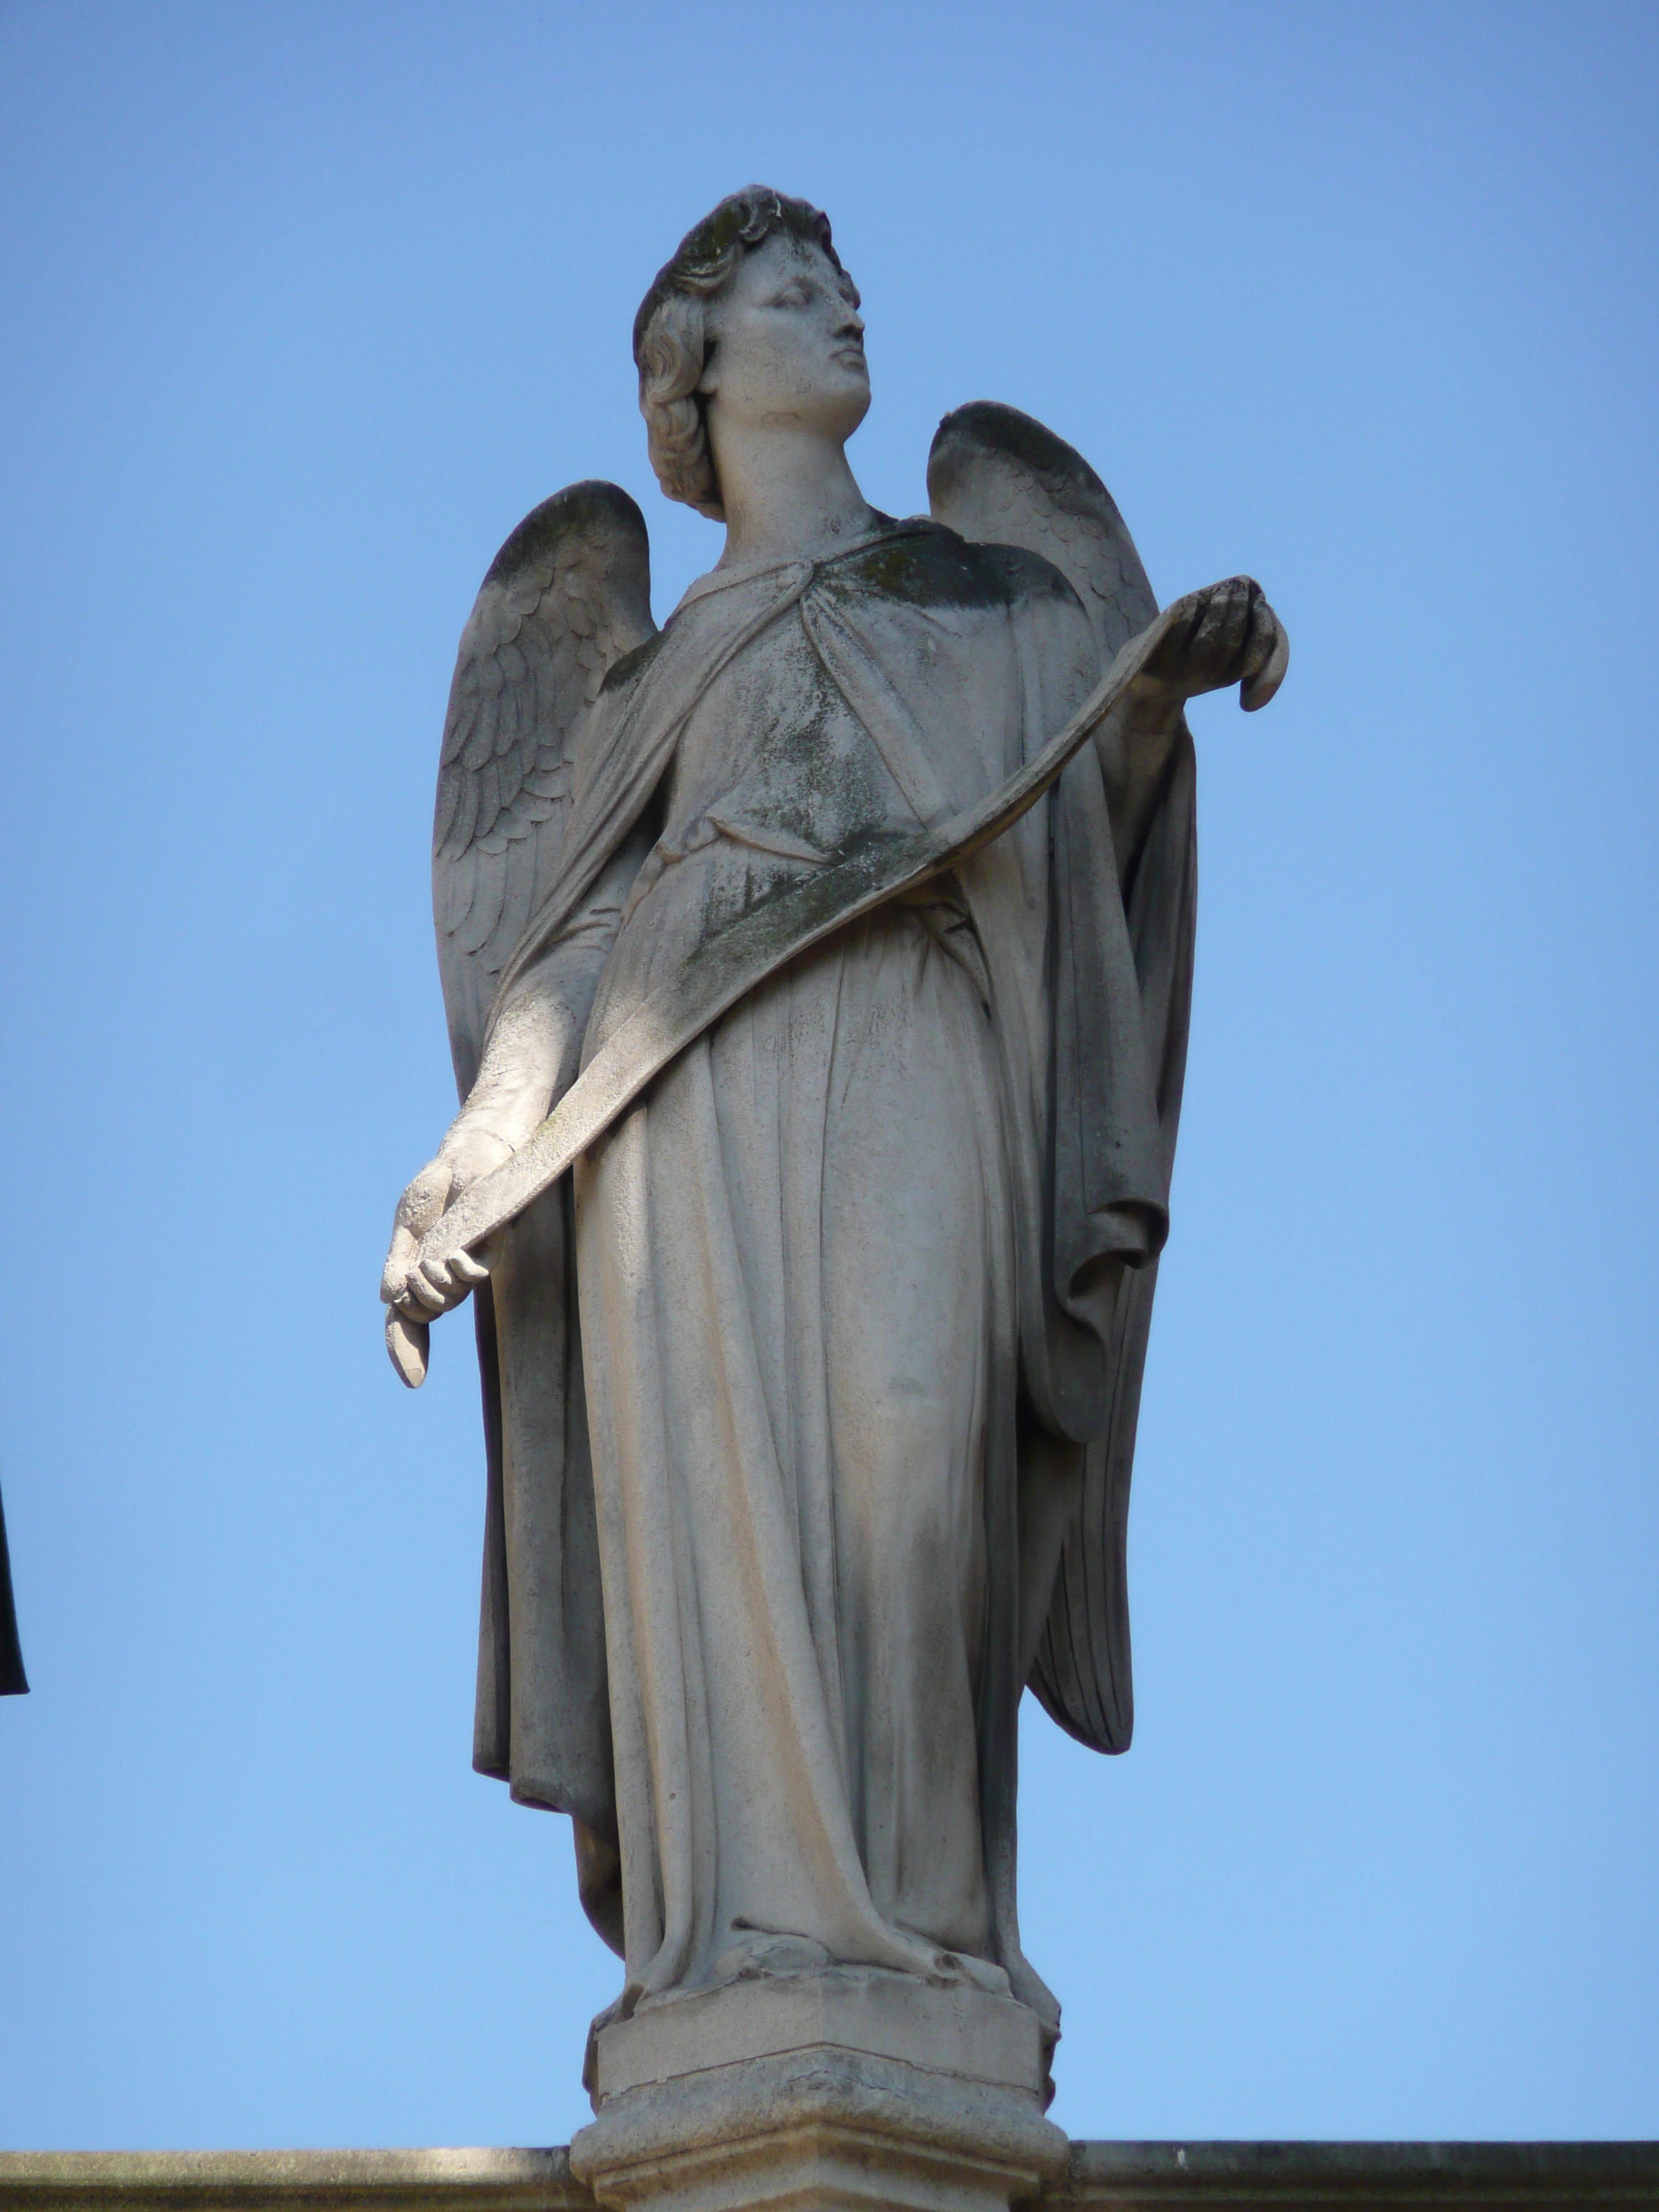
{"x":671,"y":341}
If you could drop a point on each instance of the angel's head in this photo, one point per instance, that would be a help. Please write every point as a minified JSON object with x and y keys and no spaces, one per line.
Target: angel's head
{"x":755,"y":315}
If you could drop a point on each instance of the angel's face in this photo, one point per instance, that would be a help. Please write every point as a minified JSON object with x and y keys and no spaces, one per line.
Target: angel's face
{"x":787,"y":343}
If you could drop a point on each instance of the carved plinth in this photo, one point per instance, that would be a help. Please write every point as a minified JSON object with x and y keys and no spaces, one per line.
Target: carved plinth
{"x":860,"y":2092}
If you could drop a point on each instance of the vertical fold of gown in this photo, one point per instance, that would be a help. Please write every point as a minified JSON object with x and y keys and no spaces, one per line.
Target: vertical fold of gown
{"x":848,"y":1282}
{"x":802,"y":1244}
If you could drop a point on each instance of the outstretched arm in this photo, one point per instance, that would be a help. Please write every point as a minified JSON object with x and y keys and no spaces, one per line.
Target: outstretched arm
{"x":1226,"y":634}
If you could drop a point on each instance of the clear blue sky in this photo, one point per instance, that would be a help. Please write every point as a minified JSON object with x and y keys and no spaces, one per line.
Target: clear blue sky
{"x":303,"y":306}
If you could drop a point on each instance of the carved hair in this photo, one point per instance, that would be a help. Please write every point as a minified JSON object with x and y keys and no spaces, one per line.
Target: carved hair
{"x":671,"y":343}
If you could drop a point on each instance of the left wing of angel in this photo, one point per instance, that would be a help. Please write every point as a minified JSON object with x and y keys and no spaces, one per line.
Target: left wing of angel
{"x":999,"y":477}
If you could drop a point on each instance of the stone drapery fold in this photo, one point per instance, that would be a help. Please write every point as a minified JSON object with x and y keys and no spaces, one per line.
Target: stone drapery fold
{"x":957,"y":662}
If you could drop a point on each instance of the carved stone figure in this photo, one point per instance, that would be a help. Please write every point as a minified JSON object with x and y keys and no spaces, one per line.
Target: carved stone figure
{"x":844,"y":928}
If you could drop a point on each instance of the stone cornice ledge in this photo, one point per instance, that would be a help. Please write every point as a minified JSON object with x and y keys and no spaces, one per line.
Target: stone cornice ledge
{"x":1220,"y":2176}
{"x":290,"y":2181}
{"x":1116,"y":2177}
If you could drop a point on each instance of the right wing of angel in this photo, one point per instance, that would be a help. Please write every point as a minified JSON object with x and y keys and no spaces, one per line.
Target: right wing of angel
{"x":566,"y":596}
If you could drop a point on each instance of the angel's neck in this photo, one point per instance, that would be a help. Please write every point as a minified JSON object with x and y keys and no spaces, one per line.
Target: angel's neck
{"x":788,"y":496}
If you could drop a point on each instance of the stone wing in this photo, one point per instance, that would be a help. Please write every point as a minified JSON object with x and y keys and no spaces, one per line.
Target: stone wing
{"x":998,"y":477}
{"x":568,"y":594}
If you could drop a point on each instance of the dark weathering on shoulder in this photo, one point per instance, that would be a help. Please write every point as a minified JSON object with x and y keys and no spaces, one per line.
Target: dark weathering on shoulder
{"x":930,"y":566}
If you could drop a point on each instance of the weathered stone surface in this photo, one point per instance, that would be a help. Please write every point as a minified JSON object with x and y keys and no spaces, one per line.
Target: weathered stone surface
{"x":821,"y":2127}
{"x":290,"y":2181}
{"x":1100,"y":2176}
{"x":817,"y":971}
{"x":847,"y":2087}
{"x":963,"y":2032}
{"x":1228,"y":2176}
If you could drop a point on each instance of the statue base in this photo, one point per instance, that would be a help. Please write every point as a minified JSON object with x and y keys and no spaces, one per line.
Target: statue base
{"x":849,"y":2089}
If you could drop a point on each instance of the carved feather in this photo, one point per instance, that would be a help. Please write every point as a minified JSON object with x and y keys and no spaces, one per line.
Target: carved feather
{"x":1000,"y":478}
{"x":568,"y":595}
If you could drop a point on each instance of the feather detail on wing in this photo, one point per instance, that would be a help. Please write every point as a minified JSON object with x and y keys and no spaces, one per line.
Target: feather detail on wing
{"x":568,"y":594}
{"x":997,"y":476}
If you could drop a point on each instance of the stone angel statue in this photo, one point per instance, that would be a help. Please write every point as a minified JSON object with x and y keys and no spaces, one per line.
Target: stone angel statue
{"x":818,"y":970}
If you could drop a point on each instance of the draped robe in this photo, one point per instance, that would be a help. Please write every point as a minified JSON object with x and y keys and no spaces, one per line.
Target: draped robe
{"x":773,"y":1531}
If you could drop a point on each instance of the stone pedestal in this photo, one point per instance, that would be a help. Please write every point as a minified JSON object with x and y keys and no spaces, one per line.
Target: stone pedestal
{"x":849,"y":2089}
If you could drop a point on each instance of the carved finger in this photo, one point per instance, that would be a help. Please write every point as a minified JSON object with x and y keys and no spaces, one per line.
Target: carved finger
{"x":465,"y":1269}
{"x":442,"y":1278}
{"x":1234,"y":624}
{"x":1259,"y":646}
{"x":1199,"y":624}
{"x":1255,"y":691}
{"x":1217,"y":636}
{"x":408,"y":1345}
{"x":422,"y":1297}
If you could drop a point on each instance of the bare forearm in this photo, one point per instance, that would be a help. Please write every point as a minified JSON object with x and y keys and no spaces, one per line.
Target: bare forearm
{"x":535,"y":1045}
{"x":516,"y":1084}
